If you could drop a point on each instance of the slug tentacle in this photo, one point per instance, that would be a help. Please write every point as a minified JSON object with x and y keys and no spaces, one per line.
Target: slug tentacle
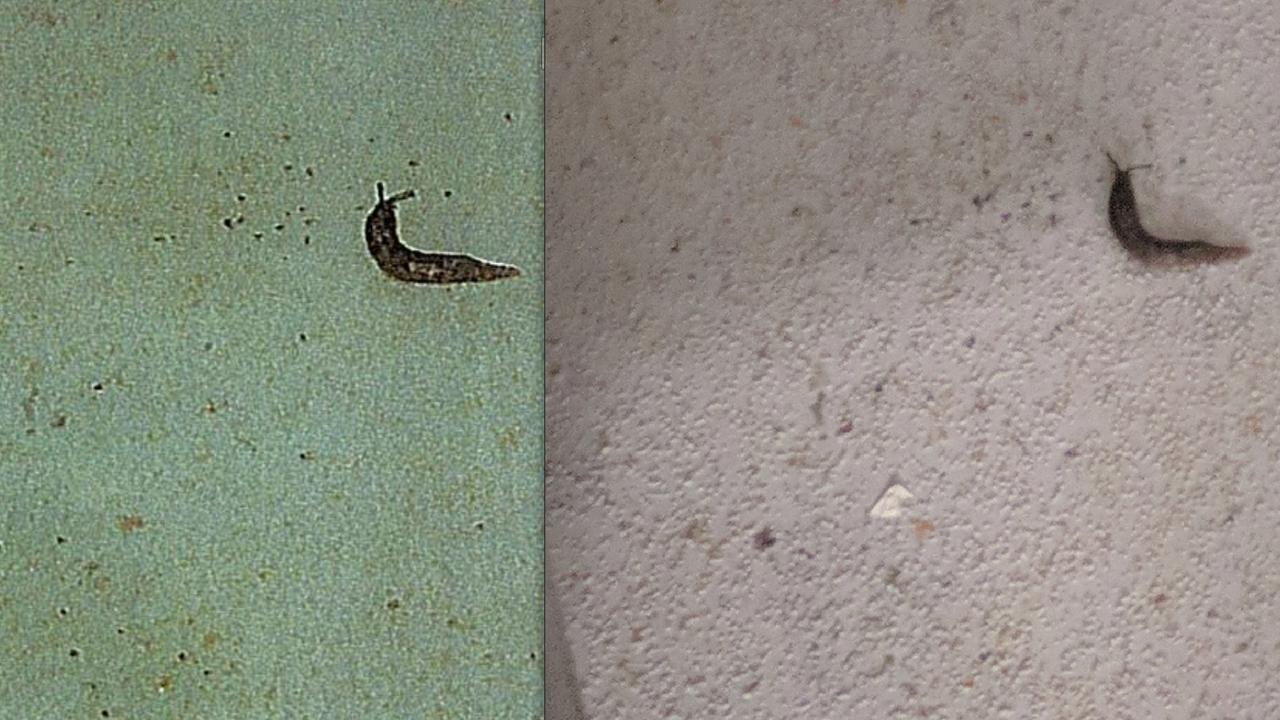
{"x":1122,"y":213}
{"x":406,"y":264}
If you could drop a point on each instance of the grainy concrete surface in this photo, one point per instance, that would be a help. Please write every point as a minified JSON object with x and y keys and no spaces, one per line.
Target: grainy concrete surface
{"x":799,"y":252}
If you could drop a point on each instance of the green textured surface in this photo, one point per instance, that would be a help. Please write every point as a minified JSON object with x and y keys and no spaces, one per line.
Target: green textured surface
{"x":242,"y":473}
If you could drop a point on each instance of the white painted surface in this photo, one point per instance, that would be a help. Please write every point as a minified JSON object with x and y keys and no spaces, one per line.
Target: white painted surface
{"x":798,"y":252}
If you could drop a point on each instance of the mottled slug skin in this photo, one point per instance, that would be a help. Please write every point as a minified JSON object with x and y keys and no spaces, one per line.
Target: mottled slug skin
{"x":408,"y":265}
{"x":1122,"y":212}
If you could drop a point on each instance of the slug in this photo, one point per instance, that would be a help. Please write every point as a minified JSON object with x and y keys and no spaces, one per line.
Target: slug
{"x":403,"y":263}
{"x":1122,"y":212}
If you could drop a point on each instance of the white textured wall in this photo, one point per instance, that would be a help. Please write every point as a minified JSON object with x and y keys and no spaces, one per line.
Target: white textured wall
{"x":800,"y":251}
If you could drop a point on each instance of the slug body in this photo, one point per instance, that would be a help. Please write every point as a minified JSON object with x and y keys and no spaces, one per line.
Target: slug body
{"x":413,"y":266}
{"x":1122,"y":212}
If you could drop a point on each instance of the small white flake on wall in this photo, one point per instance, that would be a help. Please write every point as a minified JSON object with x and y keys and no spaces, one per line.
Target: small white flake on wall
{"x":891,"y":501}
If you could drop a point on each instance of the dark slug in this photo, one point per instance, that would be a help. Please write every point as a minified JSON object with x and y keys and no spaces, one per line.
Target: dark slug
{"x":1122,"y":212}
{"x":408,"y":265}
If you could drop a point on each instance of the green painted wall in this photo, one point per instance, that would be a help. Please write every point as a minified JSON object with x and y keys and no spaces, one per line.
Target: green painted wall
{"x":242,"y":473}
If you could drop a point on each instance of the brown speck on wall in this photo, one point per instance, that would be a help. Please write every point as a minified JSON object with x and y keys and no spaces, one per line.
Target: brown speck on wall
{"x":129,"y":523}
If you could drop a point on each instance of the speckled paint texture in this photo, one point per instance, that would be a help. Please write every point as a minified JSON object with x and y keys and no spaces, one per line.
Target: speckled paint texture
{"x":243,"y":474}
{"x":800,"y":253}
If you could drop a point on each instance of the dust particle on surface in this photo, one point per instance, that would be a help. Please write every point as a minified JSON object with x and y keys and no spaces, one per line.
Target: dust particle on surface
{"x":764,"y":539}
{"x":129,"y":523}
{"x":922,"y":528}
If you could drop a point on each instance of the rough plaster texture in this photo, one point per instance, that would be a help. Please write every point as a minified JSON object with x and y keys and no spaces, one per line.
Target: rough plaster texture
{"x":798,"y":252}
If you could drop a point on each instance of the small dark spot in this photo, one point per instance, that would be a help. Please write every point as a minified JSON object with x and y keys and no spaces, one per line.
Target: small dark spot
{"x":879,"y":387}
{"x":479,"y":526}
{"x":507,"y":117}
{"x":226,"y":223}
{"x":60,"y":539}
{"x":97,"y":387}
{"x":1182,"y":161}
{"x":969,"y":341}
{"x":129,"y":523}
{"x":208,"y":346}
{"x":764,"y":539}
{"x":288,"y":167}
{"x":158,"y":238}
{"x":1004,"y":217}
{"x":1048,"y":137}
{"x":310,"y":171}
{"x":279,"y":227}
{"x":1071,"y":452}
{"x":58,"y":422}
{"x":302,"y":337}
{"x":413,"y":163}
{"x":533,"y":656}
{"x":240,"y":198}
{"x":845,"y":428}
{"x":106,"y":713}
{"x":393,"y":604}
{"x":119,"y":631}
{"x":226,"y":133}
{"x":308,"y":455}
{"x":74,"y":653}
{"x":257,"y":236}
{"x":207,"y":672}
{"x":182,"y":656}
{"x":982,"y":657}
{"x":1027,"y":134}
{"x":448,"y":193}
{"x":306,"y":239}
{"x":613,"y":39}
{"x":62,"y":612}
{"x":913,"y":221}
{"x":1025,"y":205}
{"x":302,"y":208}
